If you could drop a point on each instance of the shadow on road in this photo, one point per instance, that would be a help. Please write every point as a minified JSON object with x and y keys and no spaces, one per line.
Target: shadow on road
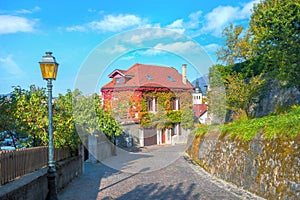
{"x":157,"y":191}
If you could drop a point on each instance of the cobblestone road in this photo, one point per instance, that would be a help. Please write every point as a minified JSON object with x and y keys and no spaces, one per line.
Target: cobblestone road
{"x":177,"y":178}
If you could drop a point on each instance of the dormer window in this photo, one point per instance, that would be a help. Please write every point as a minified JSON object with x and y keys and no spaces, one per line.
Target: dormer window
{"x":171,"y":78}
{"x":149,"y":77}
{"x":120,"y":80}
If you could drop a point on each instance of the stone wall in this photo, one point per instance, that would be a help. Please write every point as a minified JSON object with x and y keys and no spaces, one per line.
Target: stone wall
{"x":182,"y":138}
{"x":99,"y":147}
{"x":275,"y":97}
{"x":34,"y":186}
{"x":268,"y":168}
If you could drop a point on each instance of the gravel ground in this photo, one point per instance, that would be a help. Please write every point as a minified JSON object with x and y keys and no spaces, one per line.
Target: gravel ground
{"x":156,"y":172}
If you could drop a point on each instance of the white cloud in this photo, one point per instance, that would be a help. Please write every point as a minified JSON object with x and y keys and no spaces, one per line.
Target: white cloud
{"x":177,"y":26}
{"x":10,"y":66}
{"x":150,"y":34}
{"x":193,"y":25}
{"x":151,"y":52}
{"x":26,"y":11}
{"x":219,"y":17}
{"x":118,"y":49}
{"x":113,"y":49}
{"x":138,"y":38}
{"x":212,"y":48}
{"x":194,"y":19}
{"x":111,"y":23}
{"x":181,"y":26}
{"x":127,"y":58}
{"x":76,"y":28}
{"x":247,"y":8}
{"x":21,"y":11}
{"x":179,"y":47}
{"x":14,"y":24}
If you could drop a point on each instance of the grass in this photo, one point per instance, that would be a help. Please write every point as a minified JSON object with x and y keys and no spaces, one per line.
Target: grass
{"x":285,"y":125}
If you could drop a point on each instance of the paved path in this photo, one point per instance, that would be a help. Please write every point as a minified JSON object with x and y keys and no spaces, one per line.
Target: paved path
{"x":157,"y":172}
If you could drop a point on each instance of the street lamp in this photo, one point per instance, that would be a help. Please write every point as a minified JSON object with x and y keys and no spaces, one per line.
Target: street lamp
{"x":49,"y":68}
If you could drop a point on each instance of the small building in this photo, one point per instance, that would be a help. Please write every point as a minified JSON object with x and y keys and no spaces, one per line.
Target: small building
{"x":199,"y":108}
{"x":149,"y":101}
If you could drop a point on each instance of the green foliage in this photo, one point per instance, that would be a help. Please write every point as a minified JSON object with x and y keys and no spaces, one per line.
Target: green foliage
{"x":285,"y":125}
{"x":89,"y":116}
{"x":270,"y":45}
{"x":217,"y":75}
{"x":31,"y":114}
{"x":240,"y":95}
{"x":146,"y":119}
{"x":216,"y":95}
{"x":8,"y":122}
{"x":25,"y":114}
{"x":275,"y":31}
{"x":84,"y":112}
{"x":236,"y":46}
{"x":65,"y":133}
{"x":165,"y":116}
{"x":187,"y":118}
{"x":200,"y":129}
{"x":269,"y":49}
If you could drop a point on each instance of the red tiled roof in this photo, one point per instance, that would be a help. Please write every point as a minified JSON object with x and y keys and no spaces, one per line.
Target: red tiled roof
{"x":141,"y":75}
{"x":199,"y":109}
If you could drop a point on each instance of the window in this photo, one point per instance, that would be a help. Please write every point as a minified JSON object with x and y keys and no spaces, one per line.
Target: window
{"x":171,"y":78}
{"x":120,"y":80}
{"x":175,"y":103}
{"x":149,"y":77}
{"x":152,"y":104}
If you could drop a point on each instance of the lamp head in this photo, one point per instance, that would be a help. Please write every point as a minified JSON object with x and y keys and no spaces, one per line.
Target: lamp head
{"x":49,"y":66}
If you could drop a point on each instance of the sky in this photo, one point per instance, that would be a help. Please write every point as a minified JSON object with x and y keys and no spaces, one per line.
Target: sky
{"x":91,"y":38}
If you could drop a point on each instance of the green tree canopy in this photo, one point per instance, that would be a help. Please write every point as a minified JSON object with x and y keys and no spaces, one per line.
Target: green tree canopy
{"x":89,"y":116}
{"x":275,"y":33}
{"x":270,"y":45}
{"x":65,"y":133}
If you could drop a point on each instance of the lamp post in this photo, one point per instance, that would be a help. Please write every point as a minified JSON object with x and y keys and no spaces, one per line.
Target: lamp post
{"x":49,"y":68}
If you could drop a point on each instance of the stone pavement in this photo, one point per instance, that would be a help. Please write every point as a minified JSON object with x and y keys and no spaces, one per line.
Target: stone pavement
{"x":156,"y":172}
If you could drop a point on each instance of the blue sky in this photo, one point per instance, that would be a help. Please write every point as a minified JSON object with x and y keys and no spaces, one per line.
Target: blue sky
{"x":74,"y":30}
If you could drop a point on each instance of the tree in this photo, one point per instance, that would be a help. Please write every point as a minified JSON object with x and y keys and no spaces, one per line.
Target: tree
{"x":24,"y":114}
{"x":65,"y":134}
{"x":216,"y":96}
{"x":242,"y":94}
{"x":270,"y":45}
{"x":275,"y":33}
{"x":236,"y":46}
{"x":31,"y":114}
{"x":8,"y":123}
{"x":89,"y":116}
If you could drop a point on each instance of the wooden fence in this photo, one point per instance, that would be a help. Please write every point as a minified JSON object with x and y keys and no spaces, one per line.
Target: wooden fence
{"x":14,"y":164}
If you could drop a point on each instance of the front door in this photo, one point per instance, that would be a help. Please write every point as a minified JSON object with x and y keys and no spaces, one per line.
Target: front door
{"x":163,"y":136}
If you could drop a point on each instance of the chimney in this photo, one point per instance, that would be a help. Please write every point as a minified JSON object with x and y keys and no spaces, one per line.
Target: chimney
{"x":184,"y":74}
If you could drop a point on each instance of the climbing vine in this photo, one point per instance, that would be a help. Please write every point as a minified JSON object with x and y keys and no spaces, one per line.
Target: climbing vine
{"x":133,"y":106}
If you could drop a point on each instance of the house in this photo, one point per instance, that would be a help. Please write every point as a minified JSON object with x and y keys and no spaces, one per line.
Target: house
{"x":150,"y":101}
{"x":199,"y":108}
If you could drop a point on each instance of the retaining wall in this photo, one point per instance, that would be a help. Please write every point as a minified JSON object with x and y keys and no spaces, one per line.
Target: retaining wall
{"x":268,"y":168}
{"x":34,"y":186}
{"x":100,"y":147}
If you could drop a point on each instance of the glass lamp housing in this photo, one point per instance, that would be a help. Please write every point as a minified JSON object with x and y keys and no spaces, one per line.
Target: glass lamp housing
{"x":49,"y":66}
